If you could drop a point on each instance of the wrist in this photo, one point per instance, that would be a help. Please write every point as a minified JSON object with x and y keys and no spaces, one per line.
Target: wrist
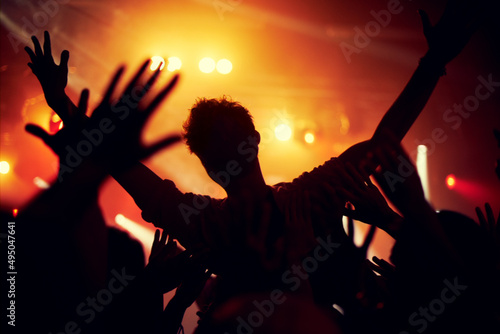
{"x":431,"y":62}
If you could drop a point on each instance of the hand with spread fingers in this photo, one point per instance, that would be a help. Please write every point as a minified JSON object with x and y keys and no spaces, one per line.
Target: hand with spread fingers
{"x":447,"y":38}
{"x":370,"y":205}
{"x":111,"y":136}
{"x":52,"y":77}
{"x":167,"y":263}
{"x":489,"y":224}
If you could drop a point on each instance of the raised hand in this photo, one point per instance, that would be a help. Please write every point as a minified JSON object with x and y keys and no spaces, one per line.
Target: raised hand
{"x":194,"y":280}
{"x":111,"y":136}
{"x":397,"y":176}
{"x":446,"y":39}
{"x":166,"y":263}
{"x":370,"y":205}
{"x":489,"y":224}
{"x":69,"y":134}
{"x":52,"y":77}
{"x":125,"y":118}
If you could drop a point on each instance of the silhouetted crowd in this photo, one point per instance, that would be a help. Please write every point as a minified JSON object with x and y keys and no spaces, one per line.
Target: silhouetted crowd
{"x":265,"y":259}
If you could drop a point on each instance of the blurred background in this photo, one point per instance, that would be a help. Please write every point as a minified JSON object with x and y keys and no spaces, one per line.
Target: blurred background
{"x":317,"y":77}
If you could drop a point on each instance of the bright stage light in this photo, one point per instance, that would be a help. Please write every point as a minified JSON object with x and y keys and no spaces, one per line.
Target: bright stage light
{"x":155,"y":63}
{"x":143,"y":234}
{"x":41,"y":183}
{"x":422,"y":170}
{"x":283,"y":132}
{"x":4,"y":167}
{"x":309,"y":137}
{"x":207,"y":65}
{"x":224,"y":66}
{"x":451,"y":181}
{"x":174,"y":63}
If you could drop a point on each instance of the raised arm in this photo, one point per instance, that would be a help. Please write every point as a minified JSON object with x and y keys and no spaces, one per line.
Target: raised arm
{"x":53,"y":79}
{"x":445,"y":41}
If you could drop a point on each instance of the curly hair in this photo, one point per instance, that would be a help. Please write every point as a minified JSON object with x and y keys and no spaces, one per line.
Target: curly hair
{"x":220,"y":121}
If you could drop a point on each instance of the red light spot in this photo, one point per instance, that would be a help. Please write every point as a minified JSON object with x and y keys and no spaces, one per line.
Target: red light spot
{"x":14,"y":213}
{"x":451,"y":181}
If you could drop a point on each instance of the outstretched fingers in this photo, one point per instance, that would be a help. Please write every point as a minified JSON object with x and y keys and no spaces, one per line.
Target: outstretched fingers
{"x":161,"y":96}
{"x":159,"y":145}
{"x":133,"y":85}
{"x":47,"y":49}
{"x":37,"y":131}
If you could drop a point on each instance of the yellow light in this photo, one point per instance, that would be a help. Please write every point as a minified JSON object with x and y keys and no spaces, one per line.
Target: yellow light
{"x":451,"y":181}
{"x":55,"y":118}
{"x":309,"y":138}
{"x":207,"y":65}
{"x":14,"y":212}
{"x":60,"y":125}
{"x":174,"y":63}
{"x":155,"y":63}
{"x":283,"y":132}
{"x":4,"y":167}
{"x":224,"y":66}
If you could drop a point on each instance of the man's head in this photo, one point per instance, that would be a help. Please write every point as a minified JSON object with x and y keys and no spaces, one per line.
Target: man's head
{"x":222,"y":134}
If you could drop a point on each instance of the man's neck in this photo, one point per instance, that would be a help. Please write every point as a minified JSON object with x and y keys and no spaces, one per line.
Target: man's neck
{"x":252,"y":184}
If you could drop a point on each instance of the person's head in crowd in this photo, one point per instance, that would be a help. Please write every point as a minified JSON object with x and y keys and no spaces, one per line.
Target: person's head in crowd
{"x":222,"y":134}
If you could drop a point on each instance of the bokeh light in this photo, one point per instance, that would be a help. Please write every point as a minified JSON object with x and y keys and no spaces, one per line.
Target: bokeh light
{"x":155,"y":63}
{"x":174,"y":63}
{"x":451,"y":181}
{"x":309,"y":137}
{"x":207,"y":65}
{"x":4,"y":167}
{"x":283,"y":132}
{"x":224,"y":66}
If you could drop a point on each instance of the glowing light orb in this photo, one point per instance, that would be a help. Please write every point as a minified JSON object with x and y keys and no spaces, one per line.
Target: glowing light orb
{"x":309,"y":137}
{"x":451,"y":181}
{"x":4,"y":167}
{"x":422,"y":149}
{"x":283,"y":132}
{"x":174,"y":64}
{"x":207,"y":65}
{"x":224,"y":66}
{"x":155,"y":63}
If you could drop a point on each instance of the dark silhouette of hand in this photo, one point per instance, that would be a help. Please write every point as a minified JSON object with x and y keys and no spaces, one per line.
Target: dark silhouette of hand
{"x":166,"y":263}
{"x":446,"y":39}
{"x":52,"y":77}
{"x":111,"y":136}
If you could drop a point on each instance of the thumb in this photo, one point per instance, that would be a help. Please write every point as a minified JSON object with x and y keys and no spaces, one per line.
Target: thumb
{"x":37,"y":131}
